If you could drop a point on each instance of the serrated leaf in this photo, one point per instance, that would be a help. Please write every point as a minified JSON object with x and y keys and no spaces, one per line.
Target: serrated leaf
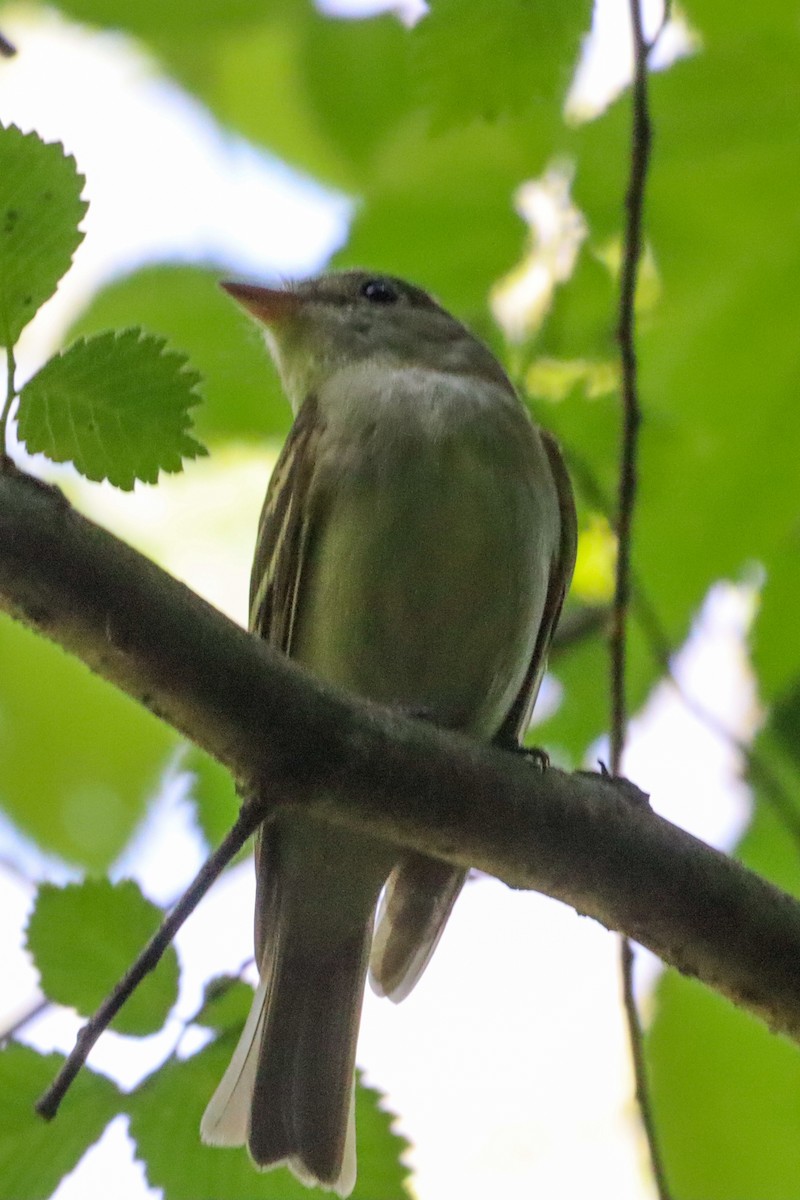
{"x":116,"y":405}
{"x":40,"y":208}
{"x":242,"y":395}
{"x":485,"y":61}
{"x":85,"y":936}
{"x":165,"y":1123}
{"x":36,"y":1154}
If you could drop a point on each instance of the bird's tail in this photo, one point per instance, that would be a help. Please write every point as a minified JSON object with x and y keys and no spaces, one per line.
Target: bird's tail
{"x":288,"y":1092}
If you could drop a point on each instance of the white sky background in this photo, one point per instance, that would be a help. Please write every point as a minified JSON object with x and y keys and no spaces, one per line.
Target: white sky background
{"x":508,"y":1064}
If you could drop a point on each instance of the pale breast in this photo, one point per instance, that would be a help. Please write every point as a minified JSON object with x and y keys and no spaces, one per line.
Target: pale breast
{"x":428,"y":572}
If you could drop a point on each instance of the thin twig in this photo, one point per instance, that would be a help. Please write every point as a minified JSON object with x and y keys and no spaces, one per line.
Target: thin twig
{"x":642,"y":1091}
{"x":631,"y":420}
{"x":6,"y":48}
{"x":250,"y":817}
{"x":634,"y":203}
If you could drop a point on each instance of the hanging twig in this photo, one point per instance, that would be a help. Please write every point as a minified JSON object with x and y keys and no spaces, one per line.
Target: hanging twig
{"x":250,"y":817}
{"x":631,"y":419}
{"x":631,"y":412}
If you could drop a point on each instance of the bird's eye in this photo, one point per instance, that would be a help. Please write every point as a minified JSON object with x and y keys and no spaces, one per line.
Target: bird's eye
{"x":379,"y":291}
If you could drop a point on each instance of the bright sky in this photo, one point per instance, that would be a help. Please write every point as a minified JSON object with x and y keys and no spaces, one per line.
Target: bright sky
{"x":511,"y":1052}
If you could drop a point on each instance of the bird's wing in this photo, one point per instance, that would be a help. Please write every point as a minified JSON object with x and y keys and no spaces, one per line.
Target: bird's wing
{"x":513,"y":729}
{"x":283,"y":533}
{"x":421,"y":891}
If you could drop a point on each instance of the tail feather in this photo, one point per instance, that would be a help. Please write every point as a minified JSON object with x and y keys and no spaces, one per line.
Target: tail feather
{"x":289,"y":1090}
{"x":303,"y":1100}
{"x":413,"y":912}
{"x":227,"y":1114}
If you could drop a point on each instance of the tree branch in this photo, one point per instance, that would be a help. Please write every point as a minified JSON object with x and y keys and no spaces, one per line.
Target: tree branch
{"x":590,"y":842}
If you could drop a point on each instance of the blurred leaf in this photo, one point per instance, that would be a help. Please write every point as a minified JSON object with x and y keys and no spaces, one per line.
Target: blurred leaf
{"x":36,"y":1154}
{"x":582,"y":320}
{"x":226,"y":1003}
{"x":582,"y":671}
{"x":254,"y":80}
{"x":40,"y":207}
{"x":117,"y":406}
{"x":771,"y":844}
{"x":165,"y":1123}
{"x":213,"y":794}
{"x":322,"y":92}
{"x":78,"y":759}
{"x":153,"y":20}
{"x":242,"y":396}
{"x":726,"y":1090}
{"x":83,"y":938}
{"x":785,"y":721}
{"x":485,"y":61}
{"x":717,"y":21}
{"x":358,"y":78}
{"x":776,"y":640}
{"x":439,"y":210}
{"x":726,"y":1093}
{"x":719,"y":356}
{"x":583,"y":714}
{"x":588,"y":430}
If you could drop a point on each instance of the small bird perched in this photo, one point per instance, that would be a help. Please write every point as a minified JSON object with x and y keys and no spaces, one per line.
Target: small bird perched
{"x":415,"y":547}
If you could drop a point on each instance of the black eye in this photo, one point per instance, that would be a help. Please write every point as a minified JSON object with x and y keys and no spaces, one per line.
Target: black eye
{"x":379,"y":291}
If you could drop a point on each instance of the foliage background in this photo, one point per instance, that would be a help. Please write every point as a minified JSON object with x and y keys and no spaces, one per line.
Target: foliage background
{"x":430,"y":131}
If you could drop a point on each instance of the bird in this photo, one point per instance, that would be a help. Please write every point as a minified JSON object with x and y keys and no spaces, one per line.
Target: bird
{"x":415,"y":547}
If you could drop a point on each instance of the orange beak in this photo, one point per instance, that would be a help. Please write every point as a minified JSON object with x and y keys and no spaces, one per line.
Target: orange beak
{"x":268,"y":305}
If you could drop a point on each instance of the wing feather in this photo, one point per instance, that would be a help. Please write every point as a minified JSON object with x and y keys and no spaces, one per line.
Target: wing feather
{"x":513,"y":729}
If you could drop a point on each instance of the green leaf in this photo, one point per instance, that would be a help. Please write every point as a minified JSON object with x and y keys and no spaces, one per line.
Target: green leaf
{"x":226,"y":1003}
{"x":153,"y":20}
{"x":775,"y":640}
{"x":461,"y":182}
{"x":719,"y":358}
{"x":358,"y":77}
{"x":165,"y":1123}
{"x":213,"y":793}
{"x":40,"y":207}
{"x":254,"y":80}
{"x":78,"y":759}
{"x":726,"y":1094}
{"x":717,"y":20}
{"x":117,"y":406}
{"x":84,"y":937}
{"x":35,"y":1154}
{"x":771,"y":844}
{"x":582,"y":320}
{"x":243,"y":398}
{"x":486,"y":61}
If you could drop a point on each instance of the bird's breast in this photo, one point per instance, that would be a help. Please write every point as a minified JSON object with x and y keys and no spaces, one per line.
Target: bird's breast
{"x":429,"y":563}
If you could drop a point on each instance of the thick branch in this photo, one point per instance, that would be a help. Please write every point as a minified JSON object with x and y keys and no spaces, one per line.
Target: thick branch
{"x":588,"y":841}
